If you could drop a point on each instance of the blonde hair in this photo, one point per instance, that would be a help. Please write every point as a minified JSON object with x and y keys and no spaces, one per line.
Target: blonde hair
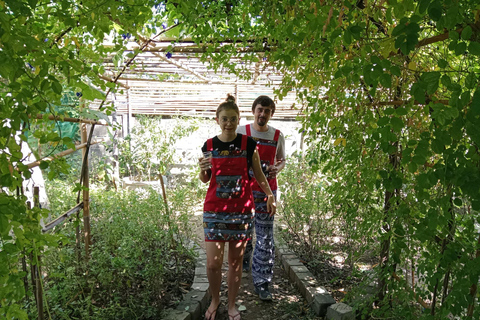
{"x":228,"y":104}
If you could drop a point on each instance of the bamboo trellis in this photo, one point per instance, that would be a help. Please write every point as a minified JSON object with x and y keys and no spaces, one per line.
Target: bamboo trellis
{"x":84,"y":205}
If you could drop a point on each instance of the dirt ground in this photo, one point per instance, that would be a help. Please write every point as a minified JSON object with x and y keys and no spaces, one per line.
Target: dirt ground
{"x":287,"y":302}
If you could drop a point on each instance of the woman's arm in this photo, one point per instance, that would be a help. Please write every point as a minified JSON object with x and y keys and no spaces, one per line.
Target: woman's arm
{"x":263,"y":183}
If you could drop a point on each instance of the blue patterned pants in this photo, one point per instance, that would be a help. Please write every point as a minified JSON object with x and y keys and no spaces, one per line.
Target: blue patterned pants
{"x":264,"y":253}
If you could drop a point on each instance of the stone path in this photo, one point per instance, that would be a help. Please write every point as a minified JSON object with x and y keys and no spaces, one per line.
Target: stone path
{"x":288,"y":302}
{"x":295,"y":291}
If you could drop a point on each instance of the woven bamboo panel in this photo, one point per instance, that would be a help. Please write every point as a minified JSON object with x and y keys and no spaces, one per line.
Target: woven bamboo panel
{"x":183,"y":85}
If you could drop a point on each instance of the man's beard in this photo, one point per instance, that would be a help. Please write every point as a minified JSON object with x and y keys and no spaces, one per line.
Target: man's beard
{"x":261,"y":122}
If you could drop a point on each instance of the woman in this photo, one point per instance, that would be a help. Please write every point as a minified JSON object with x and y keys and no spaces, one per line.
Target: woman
{"x":228,"y":207}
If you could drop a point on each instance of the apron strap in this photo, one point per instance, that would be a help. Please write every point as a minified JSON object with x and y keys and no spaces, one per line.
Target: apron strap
{"x":209,"y":145}
{"x":277,"y":134}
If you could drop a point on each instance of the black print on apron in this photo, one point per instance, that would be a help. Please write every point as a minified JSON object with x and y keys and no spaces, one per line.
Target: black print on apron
{"x":229,"y":187}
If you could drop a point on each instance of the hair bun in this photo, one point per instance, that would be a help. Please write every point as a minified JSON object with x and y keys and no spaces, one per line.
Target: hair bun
{"x":230,"y":98}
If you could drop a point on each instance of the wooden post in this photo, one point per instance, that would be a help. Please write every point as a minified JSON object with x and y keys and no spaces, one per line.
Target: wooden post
{"x":35,"y":266}
{"x":113,"y":133}
{"x":129,"y":111}
{"x":169,"y":223}
{"x":237,"y":93}
{"x":86,"y":194}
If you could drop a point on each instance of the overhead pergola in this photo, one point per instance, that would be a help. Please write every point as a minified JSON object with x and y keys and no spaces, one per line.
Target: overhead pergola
{"x":171,"y":80}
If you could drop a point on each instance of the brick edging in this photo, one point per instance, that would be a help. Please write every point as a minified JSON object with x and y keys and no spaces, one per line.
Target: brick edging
{"x":317,"y":296}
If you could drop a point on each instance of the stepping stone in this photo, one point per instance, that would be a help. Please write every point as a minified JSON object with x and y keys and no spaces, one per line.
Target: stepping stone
{"x":340,"y":311}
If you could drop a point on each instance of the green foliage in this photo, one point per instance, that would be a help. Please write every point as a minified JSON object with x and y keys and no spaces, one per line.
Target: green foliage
{"x":390,"y":97}
{"x":136,"y":258}
{"x":47,"y":49}
{"x":318,"y":209}
{"x":389,"y":92}
{"x":148,"y":151}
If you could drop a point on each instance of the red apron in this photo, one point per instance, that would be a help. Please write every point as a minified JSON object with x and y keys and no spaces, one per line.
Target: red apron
{"x":267,"y":150}
{"x":229,"y":189}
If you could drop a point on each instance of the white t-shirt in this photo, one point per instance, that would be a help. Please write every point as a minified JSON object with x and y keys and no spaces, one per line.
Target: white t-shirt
{"x":267,"y":135}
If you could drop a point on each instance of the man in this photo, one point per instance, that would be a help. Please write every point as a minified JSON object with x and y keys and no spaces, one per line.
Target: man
{"x":271,"y":149}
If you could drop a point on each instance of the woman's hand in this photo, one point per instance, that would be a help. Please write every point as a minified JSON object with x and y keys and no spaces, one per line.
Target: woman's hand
{"x":205,"y":172}
{"x":204,"y":164}
{"x":271,"y":205}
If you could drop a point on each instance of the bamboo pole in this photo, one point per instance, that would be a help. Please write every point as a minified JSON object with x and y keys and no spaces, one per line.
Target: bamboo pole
{"x":129,"y":111}
{"x":78,"y":120}
{"x":86,"y":195}
{"x":107,"y":78}
{"x":60,"y":154}
{"x":36,"y":271}
{"x":62,"y":218}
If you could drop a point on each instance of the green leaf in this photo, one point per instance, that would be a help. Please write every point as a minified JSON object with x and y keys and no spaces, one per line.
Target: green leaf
{"x":442,"y":63}
{"x":446,"y":81}
{"x":435,"y":10}
{"x":43,"y":165}
{"x":476,"y":205}
{"x":432,"y":80}
{"x":401,"y":111}
{"x":471,"y":81}
{"x":412,"y":167}
{"x":464,"y":99}
{"x":355,"y":30}
{"x":453,"y":35}
{"x":423,"y":5}
{"x":347,"y":37}
{"x":397,"y":124}
{"x":475,"y":106}
{"x":389,"y":111}
{"x":418,"y":160}
{"x":385,"y":80}
{"x":460,"y":48}
{"x":6,"y":180}
{"x":418,"y":92}
{"x":474,"y":48}
{"x":437,"y":146}
{"x":397,"y":183}
{"x":467,"y":33}
{"x":4,"y":225}
{"x":458,"y":202}
{"x":10,"y":248}
{"x":383,"y":121}
{"x":57,"y":87}
{"x":395,"y":71}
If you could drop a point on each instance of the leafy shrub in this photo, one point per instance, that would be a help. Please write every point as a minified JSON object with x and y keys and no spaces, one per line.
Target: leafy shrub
{"x":309,"y":208}
{"x":148,"y":150}
{"x":138,"y":258}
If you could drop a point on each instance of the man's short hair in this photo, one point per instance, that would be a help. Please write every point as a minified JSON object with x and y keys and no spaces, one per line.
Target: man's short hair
{"x":264,"y":101}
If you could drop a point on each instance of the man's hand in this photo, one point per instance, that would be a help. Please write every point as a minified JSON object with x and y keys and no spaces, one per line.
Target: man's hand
{"x":274,"y":169}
